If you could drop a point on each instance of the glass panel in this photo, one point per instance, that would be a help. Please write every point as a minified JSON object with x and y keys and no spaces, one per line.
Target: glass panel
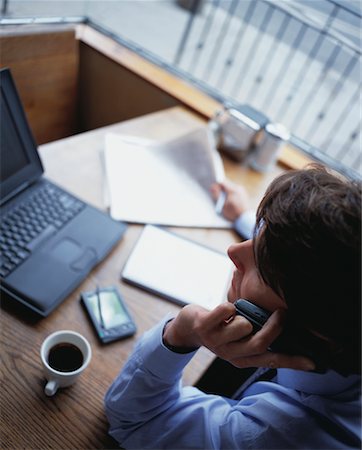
{"x":49,"y":8}
{"x":154,"y":26}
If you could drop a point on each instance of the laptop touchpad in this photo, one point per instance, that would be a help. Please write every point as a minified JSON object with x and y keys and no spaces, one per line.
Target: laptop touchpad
{"x":70,"y":252}
{"x":66,"y":250}
{"x":86,"y":260}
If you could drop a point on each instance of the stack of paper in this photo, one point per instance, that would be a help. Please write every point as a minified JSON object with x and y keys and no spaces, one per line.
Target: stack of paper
{"x":166,"y":183}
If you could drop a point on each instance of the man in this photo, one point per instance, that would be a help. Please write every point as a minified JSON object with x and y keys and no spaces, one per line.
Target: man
{"x":303,"y":263}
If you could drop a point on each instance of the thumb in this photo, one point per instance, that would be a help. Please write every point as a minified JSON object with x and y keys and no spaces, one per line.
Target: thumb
{"x":215,"y":190}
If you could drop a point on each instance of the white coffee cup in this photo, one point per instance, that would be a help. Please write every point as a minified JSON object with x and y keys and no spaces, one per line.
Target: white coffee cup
{"x":61,"y":341}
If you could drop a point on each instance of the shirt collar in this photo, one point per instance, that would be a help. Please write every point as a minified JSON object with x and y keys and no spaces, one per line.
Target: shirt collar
{"x":329,"y":383}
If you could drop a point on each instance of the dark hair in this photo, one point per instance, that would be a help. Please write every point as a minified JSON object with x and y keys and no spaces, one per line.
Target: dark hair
{"x":307,"y":248}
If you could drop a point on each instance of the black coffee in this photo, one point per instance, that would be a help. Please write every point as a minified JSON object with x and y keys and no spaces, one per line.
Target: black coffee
{"x":65,"y":357}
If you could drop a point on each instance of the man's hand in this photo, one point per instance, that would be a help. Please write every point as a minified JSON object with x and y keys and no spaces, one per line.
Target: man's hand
{"x":229,"y":336}
{"x":237,"y":199}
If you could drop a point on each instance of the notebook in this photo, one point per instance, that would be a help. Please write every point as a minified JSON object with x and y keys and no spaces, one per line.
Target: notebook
{"x":178,"y":269}
{"x":49,"y":239}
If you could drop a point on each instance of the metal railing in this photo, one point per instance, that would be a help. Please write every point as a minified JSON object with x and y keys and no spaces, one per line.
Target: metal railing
{"x":297,"y":62}
{"x":300,"y":67}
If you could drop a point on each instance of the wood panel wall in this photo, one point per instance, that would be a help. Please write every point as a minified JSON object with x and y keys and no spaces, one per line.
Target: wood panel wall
{"x":44,"y":64}
{"x":110,"y":93}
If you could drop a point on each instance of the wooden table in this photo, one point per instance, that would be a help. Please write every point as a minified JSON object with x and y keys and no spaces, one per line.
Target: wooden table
{"x":74,"y":417}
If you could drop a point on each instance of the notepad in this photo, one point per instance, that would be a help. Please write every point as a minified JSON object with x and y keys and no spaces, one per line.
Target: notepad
{"x":178,"y":269}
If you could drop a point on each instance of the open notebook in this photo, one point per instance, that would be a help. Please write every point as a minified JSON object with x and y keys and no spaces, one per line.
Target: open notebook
{"x":164,"y":182}
{"x":178,"y":269}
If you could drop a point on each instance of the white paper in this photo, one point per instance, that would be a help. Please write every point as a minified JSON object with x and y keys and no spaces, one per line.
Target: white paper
{"x":165,"y":183}
{"x":179,"y":269}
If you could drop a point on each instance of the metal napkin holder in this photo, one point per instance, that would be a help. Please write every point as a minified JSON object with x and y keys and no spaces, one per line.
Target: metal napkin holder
{"x":247,"y":136}
{"x":237,"y":130}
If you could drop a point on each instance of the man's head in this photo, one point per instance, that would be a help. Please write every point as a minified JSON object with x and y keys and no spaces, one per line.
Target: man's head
{"x":307,"y":248}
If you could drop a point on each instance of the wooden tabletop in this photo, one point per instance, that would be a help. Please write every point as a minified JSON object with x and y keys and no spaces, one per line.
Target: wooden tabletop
{"x":74,"y":417}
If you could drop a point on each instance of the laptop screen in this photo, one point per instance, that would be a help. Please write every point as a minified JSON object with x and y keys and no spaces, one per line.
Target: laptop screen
{"x":19,"y":161}
{"x":10,"y":145}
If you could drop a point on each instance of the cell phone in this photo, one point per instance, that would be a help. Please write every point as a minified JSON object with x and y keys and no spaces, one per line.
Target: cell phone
{"x":294,"y":340}
{"x":108,"y":314}
{"x":256,"y":316}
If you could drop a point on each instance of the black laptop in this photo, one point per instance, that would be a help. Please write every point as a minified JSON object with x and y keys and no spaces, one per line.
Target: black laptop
{"x":49,"y":239}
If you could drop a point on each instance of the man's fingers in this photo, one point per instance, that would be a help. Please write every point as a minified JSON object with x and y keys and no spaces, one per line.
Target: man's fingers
{"x":270,"y":331}
{"x":220,"y":326}
{"x":222,"y":313}
{"x":215,"y":190}
{"x":227,"y":185}
{"x":229,"y":336}
{"x":236,"y":329}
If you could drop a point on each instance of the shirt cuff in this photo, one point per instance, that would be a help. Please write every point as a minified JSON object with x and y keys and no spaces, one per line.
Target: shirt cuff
{"x":174,"y":348}
{"x":245,"y":224}
{"x":158,"y":359}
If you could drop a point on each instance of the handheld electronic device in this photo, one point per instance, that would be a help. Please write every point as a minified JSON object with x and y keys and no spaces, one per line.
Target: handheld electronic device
{"x":108,"y":314}
{"x":294,"y":340}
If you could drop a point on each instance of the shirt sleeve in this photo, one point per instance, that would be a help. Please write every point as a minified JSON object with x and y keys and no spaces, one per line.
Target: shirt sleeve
{"x":147,"y":407}
{"x":245,"y":224}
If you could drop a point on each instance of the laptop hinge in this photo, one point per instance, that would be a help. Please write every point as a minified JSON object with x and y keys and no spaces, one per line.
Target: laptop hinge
{"x":15,"y":192}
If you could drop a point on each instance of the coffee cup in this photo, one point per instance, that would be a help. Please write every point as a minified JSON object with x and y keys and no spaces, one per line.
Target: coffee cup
{"x":64,"y":354}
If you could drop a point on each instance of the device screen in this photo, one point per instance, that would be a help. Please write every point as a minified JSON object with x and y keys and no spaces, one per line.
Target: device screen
{"x":12,"y":153}
{"x":113,"y":313}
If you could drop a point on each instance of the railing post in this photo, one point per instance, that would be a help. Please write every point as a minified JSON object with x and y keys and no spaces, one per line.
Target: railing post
{"x":4,"y":7}
{"x":195,"y":5}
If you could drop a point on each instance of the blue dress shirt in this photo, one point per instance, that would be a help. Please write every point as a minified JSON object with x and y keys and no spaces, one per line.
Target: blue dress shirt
{"x":147,"y":407}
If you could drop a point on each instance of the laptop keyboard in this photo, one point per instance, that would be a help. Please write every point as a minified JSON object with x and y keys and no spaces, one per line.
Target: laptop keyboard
{"x":26,"y":226}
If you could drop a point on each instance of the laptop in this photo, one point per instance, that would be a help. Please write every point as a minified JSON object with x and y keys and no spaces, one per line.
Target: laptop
{"x":49,"y":239}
